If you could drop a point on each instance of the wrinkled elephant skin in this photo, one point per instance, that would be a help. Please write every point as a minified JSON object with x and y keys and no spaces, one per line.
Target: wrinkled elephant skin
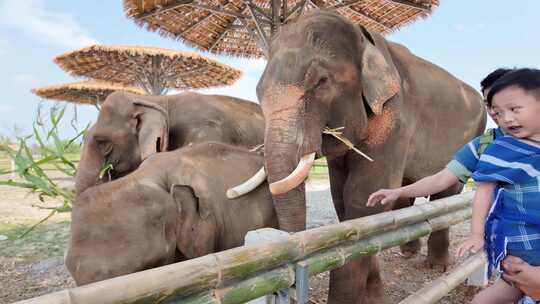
{"x":173,"y":207}
{"x":132,"y":127}
{"x":406,"y":113}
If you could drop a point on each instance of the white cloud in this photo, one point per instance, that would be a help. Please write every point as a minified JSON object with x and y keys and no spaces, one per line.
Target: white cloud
{"x":24,"y":77}
{"x":43,"y":25}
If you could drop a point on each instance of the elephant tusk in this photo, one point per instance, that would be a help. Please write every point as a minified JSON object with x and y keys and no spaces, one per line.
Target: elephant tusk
{"x":248,"y":186}
{"x":296,"y":177}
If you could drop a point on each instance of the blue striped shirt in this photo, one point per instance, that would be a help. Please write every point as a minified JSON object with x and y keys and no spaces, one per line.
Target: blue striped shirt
{"x":466,"y":158}
{"x":513,"y":223}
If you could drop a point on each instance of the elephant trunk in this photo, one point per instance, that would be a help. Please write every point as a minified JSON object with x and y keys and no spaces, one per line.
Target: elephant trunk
{"x":88,"y":168}
{"x":281,"y":147}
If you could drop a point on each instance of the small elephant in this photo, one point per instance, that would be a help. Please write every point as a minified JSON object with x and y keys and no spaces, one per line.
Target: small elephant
{"x":406,"y":113}
{"x":131,"y":127}
{"x":173,"y":207}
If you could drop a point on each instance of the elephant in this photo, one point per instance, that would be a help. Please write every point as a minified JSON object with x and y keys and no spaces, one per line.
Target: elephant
{"x":404,"y":112}
{"x":131,"y":127}
{"x":172,"y":208}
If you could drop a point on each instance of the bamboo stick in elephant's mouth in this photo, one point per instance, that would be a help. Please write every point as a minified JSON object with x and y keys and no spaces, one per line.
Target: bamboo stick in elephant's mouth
{"x":338,"y":134}
{"x":294,"y":179}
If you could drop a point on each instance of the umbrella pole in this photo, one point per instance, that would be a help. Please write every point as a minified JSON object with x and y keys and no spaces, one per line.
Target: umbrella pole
{"x":276,"y":16}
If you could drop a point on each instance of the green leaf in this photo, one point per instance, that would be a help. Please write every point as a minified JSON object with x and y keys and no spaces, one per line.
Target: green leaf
{"x":105,"y":170}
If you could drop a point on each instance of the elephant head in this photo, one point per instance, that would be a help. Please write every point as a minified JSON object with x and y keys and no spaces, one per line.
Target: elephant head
{"x":117,"y":229}
{"x":172,"y":208}
{"x":322,"y":72}
{"x":129,"y":128}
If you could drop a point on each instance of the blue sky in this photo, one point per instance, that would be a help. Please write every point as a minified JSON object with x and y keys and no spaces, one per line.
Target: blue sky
{"x":468,"y":38}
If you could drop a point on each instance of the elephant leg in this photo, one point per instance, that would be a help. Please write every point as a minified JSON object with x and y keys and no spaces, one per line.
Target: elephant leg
{"x":438,"y":241}
{"x":413,"y":247}
{"x":359,"y":281}
{"x":344,"y":278}
{"x":338,"y":176}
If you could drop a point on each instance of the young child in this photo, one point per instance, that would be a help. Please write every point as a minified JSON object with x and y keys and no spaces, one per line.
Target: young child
{"x":506,"y":207}
{"x":459,"y":169}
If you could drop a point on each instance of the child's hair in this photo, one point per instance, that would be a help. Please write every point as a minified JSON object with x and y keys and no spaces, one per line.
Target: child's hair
{"x":526,"y":79}
{"x":487,"y":82}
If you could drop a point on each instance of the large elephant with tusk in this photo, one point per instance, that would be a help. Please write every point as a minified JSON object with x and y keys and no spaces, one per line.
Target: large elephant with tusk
{"x":406,"y":113}
{"x":132,"y":127}
{"x":173,"y":207}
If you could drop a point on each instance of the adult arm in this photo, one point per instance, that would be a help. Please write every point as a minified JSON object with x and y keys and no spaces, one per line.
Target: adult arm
{"x":429,"y":185}
{"x":523,"y":275}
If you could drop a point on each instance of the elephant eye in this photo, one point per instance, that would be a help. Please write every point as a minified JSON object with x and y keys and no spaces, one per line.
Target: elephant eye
{"x":104,"y":146}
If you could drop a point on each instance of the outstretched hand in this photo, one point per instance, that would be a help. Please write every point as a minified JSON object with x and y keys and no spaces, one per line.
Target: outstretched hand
{"x":473,"y":244}
{"x":384,"y":196}
{"x":523,"y":275}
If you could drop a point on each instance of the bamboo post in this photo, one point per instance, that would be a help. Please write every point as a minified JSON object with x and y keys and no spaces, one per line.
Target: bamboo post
{"x":217,"y":270}
{"x":441,"y":286}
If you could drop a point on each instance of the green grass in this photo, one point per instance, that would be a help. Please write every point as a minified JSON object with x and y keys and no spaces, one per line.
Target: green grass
{"x":46,"y":240}
{"x":5,"y":162}
{"x":319,"y":169}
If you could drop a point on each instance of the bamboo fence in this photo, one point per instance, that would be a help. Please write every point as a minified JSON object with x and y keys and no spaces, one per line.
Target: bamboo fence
{"x":440,"y":287}
{"x":240,"y":274}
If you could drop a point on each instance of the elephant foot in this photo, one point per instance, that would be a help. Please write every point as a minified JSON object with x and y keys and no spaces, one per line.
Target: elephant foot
{"x":410,"y":249}
{"x":441,"y":261}
{"x":375,"y":293}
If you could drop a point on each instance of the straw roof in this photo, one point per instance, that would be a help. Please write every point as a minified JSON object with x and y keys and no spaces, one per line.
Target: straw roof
{"x":147,"y":66}
{"x":219,"y":26}
{"x":83,"y":92}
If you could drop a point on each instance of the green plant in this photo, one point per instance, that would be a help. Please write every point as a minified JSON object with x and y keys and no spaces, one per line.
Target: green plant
{"x":49,"y":151}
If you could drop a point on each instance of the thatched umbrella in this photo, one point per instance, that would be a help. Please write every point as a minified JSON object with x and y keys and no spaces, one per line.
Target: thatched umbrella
{"x":153,"y":69}
{"x":83,"y":92}
{"x":243,"y":27}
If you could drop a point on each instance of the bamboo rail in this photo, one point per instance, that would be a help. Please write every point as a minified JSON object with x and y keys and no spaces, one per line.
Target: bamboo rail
{"x":440,"y":287}
{"x":222,"y":276}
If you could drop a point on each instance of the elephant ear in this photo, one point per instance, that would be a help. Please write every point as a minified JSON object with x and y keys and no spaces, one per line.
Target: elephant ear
{"x":196,"y":230}
{"x":152,"y":126}
{"x":380,"y":79}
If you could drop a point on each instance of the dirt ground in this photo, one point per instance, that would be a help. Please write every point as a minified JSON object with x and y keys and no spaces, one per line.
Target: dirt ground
{"x":33,"y":265}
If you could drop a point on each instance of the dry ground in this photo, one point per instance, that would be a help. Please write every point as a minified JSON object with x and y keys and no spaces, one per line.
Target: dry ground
{"x":33,"y":265}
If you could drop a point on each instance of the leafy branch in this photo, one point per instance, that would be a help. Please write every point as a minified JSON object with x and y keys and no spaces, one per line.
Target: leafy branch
{"x":48,"y":153}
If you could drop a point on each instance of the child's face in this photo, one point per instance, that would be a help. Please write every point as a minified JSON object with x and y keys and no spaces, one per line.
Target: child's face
{"x":517,"y":112}
{"x":489,"y":109}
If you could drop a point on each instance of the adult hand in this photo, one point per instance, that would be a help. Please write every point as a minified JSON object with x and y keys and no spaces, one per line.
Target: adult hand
{"x":472,"y":244}
{"x":384,"y":196}
{"x":524,"y":276}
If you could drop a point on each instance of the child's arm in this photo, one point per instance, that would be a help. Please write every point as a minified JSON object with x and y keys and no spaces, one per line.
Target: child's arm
{"x":429,"y":185}
{"x":481,"y":204}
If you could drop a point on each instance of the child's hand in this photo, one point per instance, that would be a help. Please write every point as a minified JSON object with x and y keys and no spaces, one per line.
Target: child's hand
{"x":384,"y":196}
{"x":472,"y":244}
